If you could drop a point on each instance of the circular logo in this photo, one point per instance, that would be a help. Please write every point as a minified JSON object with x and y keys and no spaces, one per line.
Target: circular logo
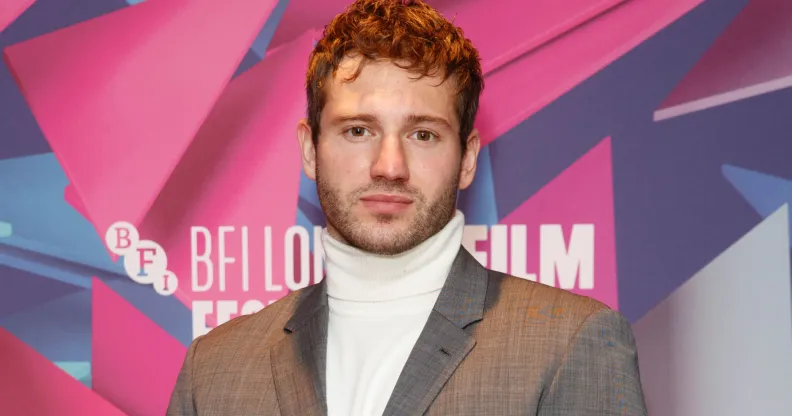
{"x":166,"y":284}
{"x":147,"y":263}
{"x":121,"y":238}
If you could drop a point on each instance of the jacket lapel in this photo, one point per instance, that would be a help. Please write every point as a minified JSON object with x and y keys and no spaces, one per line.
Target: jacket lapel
{"x":298,"y":361}
{"x":443,"y":343}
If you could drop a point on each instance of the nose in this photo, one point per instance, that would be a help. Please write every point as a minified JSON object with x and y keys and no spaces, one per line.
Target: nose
{"x":391,"y":161}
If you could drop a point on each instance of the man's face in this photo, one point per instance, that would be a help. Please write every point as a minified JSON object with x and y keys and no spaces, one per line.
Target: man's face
{"x":388,"y":161}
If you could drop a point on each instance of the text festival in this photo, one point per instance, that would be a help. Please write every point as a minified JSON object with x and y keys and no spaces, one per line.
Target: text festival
{"x":565,"y":263}
{"x":220,"y":262}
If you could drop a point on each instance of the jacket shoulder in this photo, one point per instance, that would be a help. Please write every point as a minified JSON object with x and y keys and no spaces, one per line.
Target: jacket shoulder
{"x":526,"y":299}
{"x":263,"y":328}
{"x":537,"y":323}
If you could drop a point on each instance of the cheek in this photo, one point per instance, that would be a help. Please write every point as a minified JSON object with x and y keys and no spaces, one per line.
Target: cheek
{"x":432,"y":174}
{"x":344,"y":169}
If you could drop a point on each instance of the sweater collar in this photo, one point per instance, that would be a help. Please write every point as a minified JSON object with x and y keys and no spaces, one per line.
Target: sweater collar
{"x":355,"y":275}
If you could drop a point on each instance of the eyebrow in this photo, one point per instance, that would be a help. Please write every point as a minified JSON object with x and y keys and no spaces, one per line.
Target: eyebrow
{"x":366,"y":118}
{"x":419,"y":118}
{"x":412,"y":119}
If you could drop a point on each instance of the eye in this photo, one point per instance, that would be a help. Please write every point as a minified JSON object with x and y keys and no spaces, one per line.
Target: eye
{"x":424,"y":135}
{"x":357,"y":132}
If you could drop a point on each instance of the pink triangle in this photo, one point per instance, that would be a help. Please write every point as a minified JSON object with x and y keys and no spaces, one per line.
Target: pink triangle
{"x":303,"y":15}
{"x":515,"y":27}
{"x":500,"y":33}
{"x":11,"y":9}
{"x":751,"y":57}
{"x":134,"y":362}
{"x":119,"y":97}
{"x":300,"y":16}
{"x":242,"y":170}
{"x":518,"y":90}
{"x":582,"y":194}
{"x":32,"y":385}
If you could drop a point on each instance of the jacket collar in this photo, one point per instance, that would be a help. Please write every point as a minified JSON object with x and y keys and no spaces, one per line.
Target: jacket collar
{"x":299,"y":360}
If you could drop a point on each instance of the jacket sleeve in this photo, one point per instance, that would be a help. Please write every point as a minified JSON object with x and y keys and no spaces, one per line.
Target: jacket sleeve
{"x":182,"y":402}
{"x":598,"y":372}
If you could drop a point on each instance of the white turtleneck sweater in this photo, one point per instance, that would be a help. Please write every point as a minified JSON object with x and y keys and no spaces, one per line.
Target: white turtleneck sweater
{"x":378,"y":308}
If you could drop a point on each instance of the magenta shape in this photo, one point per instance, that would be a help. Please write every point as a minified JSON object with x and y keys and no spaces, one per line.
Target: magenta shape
{"x":518,"y":90}
{"x":242,"y":170}
{"x":134,"y":362}
{"x":500,"y":33}
{"x":32,"y":385}
{"x":304,"y":15}
{"x":753,"y":56}
{"x":119,"y":97}
{"x":10,"y":10}
{"x":581,"y":194}
{"x":504,"y":30}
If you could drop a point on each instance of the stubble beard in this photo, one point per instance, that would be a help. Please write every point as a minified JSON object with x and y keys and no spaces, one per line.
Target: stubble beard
{"x":429,"y":218}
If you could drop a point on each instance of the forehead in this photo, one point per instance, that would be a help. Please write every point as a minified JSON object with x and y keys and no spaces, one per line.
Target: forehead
{"x":384,"y":89}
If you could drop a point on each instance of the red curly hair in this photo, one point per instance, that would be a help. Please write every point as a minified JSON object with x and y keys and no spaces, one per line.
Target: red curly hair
{"x":412,"y":35}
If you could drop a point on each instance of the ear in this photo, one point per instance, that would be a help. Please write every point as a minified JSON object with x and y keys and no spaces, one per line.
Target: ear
{"x":307,"y":148}
{"x":468,"y":166}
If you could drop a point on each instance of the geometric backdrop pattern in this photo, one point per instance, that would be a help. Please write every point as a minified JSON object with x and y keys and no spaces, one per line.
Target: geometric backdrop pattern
{"x":698,"y":350}
{"x":636,"y":151}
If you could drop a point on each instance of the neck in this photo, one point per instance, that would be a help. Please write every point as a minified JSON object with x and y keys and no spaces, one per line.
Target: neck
{"x":355,"y":275}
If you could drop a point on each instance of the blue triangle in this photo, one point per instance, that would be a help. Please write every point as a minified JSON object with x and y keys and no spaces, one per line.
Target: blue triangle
{"x":80,"y":370}
{"x":308,"y":191}
{"x":262,"y":41}
{"x":765,"y":193}
{"x":43,"y":222}
{"x":478,"y":202}
{"x":60,"y":330}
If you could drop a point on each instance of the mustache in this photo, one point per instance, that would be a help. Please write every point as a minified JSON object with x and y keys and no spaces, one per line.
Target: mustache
{"x":387,"y":186}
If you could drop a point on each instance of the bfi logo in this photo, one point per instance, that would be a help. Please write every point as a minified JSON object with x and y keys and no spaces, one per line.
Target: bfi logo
{"x":145,"y":261}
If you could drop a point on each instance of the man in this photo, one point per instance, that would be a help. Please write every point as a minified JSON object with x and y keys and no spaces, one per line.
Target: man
{"x":406,"y":322}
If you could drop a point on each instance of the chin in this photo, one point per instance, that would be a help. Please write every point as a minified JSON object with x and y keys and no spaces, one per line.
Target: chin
{"x":383,"y":246}
{"x":392,"y":221}
{"x":383,"y":230}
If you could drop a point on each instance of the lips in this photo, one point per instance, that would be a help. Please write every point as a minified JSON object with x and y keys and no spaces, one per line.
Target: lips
{"x":395,"y":199}
{"x":386,"y":204}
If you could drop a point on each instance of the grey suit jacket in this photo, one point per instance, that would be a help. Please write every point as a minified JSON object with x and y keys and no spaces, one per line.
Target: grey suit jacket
{"x":493,"y":345}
